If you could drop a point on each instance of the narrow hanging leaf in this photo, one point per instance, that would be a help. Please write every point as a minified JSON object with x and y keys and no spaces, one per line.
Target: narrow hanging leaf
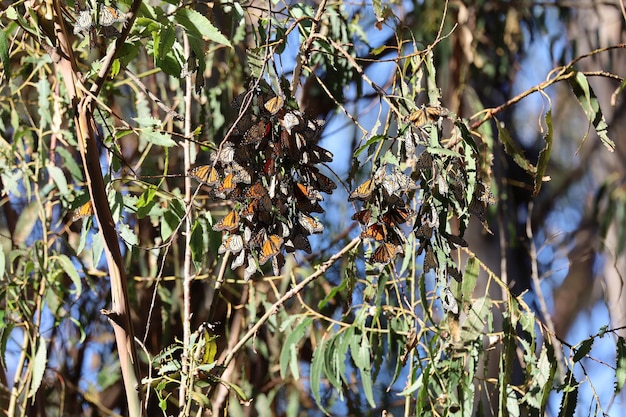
{"x":4,"y":54}
{"x":469,"y":278}
{"x":200,"y":26}
{"x":620,"y":372}
{"x":289,"y":352}
{"x":362,"y":360}
{"x":589,"y":102}
{"x":70,"y":270}
{"x":584,"y":349}
{"x":570,"y":397}
{"x":544,"y":155}
{"x":315,"y":376}
{"x":39,"y":366}
{"x":158,"y":138}
{"x":514,"y":151}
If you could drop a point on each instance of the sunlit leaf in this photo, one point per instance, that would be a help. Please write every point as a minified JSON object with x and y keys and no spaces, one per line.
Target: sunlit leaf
{"x":513,"y":150}
{"x":315,"y":376}
{"x":4,"y":54}
{"x":289,"y":351}
{"x":39,"y":363}
{"x":544,"y":154}
{"x":70,"y":269}
{"x":583,"y":349}
{"x":591,"y":106}
{"x":199,"y":25}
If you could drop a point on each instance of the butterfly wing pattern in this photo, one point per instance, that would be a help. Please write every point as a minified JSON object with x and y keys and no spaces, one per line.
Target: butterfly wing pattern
{"x":384,"y":210}
{"x":268,"y":169}
{"x":86,"y":20}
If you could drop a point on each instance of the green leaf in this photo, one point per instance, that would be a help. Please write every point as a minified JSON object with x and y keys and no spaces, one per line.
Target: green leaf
{"x":127,"y":234}
{"x":199,"y":25}
{"x":362,"y":361}
{"x":374,"y":139}
{"x":169,"y":224}
{"x":26,"y":222}
{"x":39,"y":366}
{"x":317,"y":367}
{"x":70,"y":269}
{"x":58,"y":177}
{"x":589,"y":102}
{"x":4,"y":54}
{"x":514,"y":151}
{"x":158,"y":138}
{"x":69,"y":163}
{"x":570,"y":397}
{"x":544,"y":154}
{"x":289,"y":352}
{"x":147,"y":121}
{"x":2,"y":266}
{"x":469,"y":279}
{"x":583,"y":350}
{"x":146,"y":202}
{"x":620,"y":371}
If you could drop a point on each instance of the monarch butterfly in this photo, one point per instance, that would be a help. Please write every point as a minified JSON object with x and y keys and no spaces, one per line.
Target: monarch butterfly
{"x":454,"y":239}
{"x":230,"y":222}
{"x":318,"y":154}
{"x":398,"y":181}
{"x":289,"y":121}
{"x":256,"y":191}
{"x":190,"y":66}
{"x":428,"y":114}
{"x":238,"y":261}
{"x":310,"y":224}
{"x":250,"y":268}
{"x":307,"y":192}
{"x":376,"y":231}
{"x":232,"y":243}
{"x":424,"y":231}
{"x":397,"y":215}
{"x":226,"y":154}
{"x":479,"y":209}
{"x":298,"y":241}
{"x":257,"y":132}
{"x":206,"y":174}
{"x":430,"y":260}
{"x":323,"y":183}
{"x":274,"y":104}
{"x":84,"y":21}
{"x":226,"y":186}
{"x":242,"y":174}
{"x":385,"y":253}
{"x":83,"y":211}
{"x":484,"y":193}
{"x":270,"y":248}
{"x":363,"y":216}
{"x":309,"y":206}
{"x":448,"y":301}
{"x":110,"y":15}
{"x":363,"y":191}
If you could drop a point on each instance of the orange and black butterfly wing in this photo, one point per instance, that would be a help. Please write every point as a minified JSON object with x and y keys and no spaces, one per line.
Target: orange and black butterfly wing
{"x":230,"y":222}
{"x":83,"y":211}
{"x":271,"y":247}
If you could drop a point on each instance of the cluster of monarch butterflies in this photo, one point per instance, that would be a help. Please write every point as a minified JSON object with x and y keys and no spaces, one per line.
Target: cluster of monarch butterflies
{"x":106,"y":17}
{"x":268,"y":168}
{"x":384,"y":209}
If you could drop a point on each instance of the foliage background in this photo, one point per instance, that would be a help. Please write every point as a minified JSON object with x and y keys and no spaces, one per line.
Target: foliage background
{"x":534,"y":92}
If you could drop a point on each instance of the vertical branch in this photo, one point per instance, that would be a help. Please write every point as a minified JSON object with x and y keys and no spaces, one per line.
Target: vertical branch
{"x":119,"y":315}
{"x":187,"y":277}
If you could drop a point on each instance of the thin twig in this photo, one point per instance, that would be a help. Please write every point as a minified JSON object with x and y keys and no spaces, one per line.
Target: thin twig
{"x":187,"y":277}
{"x":289,"y":294}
